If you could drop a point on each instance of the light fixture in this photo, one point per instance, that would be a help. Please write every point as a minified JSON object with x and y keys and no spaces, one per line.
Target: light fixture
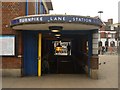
{"x":57,"y":35}
{"x":55,"y":31}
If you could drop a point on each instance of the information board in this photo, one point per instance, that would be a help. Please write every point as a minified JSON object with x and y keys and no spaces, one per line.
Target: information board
{"x":7,"y":45}
{"x":64,"y":45}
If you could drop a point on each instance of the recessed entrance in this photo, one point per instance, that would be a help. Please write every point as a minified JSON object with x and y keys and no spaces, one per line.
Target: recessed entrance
{"x":73,"y":63}
{"x":81,"y":31}
{"x":39,"y":54}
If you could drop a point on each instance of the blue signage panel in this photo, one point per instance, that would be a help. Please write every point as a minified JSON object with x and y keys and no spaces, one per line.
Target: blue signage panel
{"x":56,"y":18}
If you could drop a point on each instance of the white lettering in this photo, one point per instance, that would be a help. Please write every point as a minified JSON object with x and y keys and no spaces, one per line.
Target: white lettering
{"x":51,"y":18}
{"x":41,"y":18}
{"x":55,"y":18}
{"x":37,"y":19}
{"x":32,"y":19}
{"x":86,"y":20}
{"x":25,"y":20}
{"x":63,"y":18}
{"x":29,"y":19}
{"x":73,"y":19}
{"x":90,"y":20}
{"x":79,"y":19}
{"x":20,"y":20}
{"x":82,"y":19}
{"x":76,"y":19}
{"x":59,"y":18}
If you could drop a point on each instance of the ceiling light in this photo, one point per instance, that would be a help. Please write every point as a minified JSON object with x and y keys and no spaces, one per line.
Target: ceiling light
{"x":57,"y":35}
{"x":55,"y":31}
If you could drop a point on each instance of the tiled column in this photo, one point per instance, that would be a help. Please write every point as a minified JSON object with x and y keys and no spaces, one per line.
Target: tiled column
{"x":94,"y":59}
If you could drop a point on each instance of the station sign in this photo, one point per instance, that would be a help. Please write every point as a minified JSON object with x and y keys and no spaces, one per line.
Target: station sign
{"x":56,"y":19}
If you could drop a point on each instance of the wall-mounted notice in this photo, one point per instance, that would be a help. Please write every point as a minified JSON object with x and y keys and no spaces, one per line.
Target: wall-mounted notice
{"x":7,"y":45}
{"x":66,"y":48}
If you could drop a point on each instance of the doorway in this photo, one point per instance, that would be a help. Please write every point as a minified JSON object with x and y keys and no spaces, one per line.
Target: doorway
{"x":64,"y":64}
{"x":34,"y":54}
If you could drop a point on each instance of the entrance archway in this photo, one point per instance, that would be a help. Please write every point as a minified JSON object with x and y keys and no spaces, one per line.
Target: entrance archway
{"x":81,"y":30}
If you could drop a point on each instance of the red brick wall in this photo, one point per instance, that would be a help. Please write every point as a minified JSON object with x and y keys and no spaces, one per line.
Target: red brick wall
{"x":12,"y":10}
{"x":31,"y":8}
{"x":94,"y":62}
{"x":102,"y":35}
{"x":11,"y":62}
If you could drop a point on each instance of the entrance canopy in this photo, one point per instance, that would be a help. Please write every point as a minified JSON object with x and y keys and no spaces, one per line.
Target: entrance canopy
{"x":68,"y":22}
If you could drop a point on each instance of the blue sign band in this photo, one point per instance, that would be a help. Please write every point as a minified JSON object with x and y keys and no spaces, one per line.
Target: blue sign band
{"x":56,"y":18}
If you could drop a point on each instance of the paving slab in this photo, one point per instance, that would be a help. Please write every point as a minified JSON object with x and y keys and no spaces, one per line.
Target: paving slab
{"x":108,"y":78}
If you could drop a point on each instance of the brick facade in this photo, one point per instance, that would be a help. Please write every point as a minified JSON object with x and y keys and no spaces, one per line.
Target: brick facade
{"x":12,"y":10}
{"x":31,"y":8}
{"x":102,"y":33}
{"x":94,"y":62}
{"x":11,"y":63}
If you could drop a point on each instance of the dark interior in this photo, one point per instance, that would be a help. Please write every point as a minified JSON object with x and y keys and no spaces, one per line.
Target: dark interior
{"x":58,"y":64}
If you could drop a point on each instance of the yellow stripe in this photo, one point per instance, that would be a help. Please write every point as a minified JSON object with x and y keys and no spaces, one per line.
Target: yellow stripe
{"x":39,"y":54}
{"x":39,"y":68}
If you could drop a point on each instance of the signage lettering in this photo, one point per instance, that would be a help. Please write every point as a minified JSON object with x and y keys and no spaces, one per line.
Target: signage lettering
{"x":57,"y":18}
{"x":81,"y":19}
{"x":74,"y":19}
{"x":23,"y":20}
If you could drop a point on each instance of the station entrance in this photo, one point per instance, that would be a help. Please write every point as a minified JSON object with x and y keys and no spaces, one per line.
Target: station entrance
{"x":61,"y":63}
{"x":39,"y":45}
{"x":64,"y":63}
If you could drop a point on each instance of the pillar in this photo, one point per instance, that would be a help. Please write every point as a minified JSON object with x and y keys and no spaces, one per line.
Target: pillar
{"x":89,"y":53}
{"x":39,"y":54}
{"x":94,"y":58}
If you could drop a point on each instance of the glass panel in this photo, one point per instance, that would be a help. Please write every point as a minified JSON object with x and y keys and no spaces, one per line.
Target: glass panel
{"x":7,"y":45}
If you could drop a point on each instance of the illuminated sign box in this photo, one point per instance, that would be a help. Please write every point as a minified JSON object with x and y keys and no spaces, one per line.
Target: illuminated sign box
{"x":64,"y":51}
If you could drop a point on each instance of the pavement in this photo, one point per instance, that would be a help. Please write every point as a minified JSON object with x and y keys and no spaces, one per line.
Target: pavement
{"x":108,"y":78}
